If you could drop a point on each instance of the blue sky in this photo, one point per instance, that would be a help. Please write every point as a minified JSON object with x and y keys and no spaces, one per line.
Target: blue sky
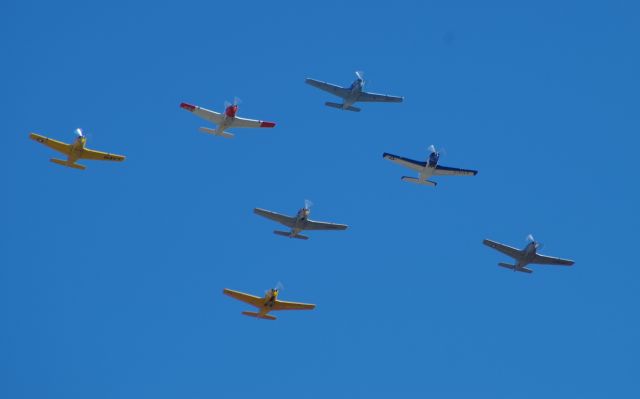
{"x":111,"y":278}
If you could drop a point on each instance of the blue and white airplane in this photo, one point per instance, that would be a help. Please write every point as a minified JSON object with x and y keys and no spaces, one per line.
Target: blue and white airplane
{"x":526,"y":256}
{"x":352,"y":94}
{"x":428,"y":168}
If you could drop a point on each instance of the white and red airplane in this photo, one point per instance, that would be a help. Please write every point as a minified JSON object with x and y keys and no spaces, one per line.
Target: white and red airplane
{"x":224,"y":121}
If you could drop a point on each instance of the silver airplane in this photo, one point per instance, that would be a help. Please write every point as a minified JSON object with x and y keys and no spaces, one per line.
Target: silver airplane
{"x":352,"y":94}
{"x":526,"y":256}
{"x":298,"y":223}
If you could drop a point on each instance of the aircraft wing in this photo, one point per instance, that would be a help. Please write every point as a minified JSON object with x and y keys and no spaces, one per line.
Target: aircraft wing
{"x":53,"y":144}
{"x":204,"y":113}
{"x":278,"y":217}
{"x":284,"y":305}
{"x":242,"y":122}
{"x":100,"y":156}
{"x":447,"y":171}
{"x":550,"y":260}
{"x":505,"y":249}
{"x":379,"y":98}
{"x":406,"y":162}
{"x":313,"y":225}
{"x":246,"y":298}
{"x":329,"y":88}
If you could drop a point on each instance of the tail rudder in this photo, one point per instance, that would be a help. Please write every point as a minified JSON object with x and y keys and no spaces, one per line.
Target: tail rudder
{"x":67,"y":164}
{"x":418,"y":181}
{"x":258,"y":316}
{"x":514,"y":268}
{"x":342,"y":107}
{"x":215,"y":132}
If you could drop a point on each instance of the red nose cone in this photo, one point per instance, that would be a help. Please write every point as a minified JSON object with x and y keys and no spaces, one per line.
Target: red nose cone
{"x":231,"y":111}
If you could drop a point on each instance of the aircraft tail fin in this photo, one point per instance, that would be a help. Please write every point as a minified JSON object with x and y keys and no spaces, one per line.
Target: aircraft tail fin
{"x":514,"y":268}
{"x":341,"y":106}
{"x":258,"y":316}
{"x":67,"y":164}
{"x":288,"y":234}
{"x":418,"y":181}
{"x":216,"y":132}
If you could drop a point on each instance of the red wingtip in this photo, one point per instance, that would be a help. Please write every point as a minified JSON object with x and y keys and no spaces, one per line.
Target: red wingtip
{"x":187,"y":106}
{"x":267,"y":124}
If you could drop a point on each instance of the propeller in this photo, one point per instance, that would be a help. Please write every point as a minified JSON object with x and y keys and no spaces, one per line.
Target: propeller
{"x":533,"y":240}
{"x":236,"y":101}
{"x":308,"y":204}
{"x":278,"y":287}
{"x":360,"y":75}
{"x":441,"y":151}
{"x":79,"y":133}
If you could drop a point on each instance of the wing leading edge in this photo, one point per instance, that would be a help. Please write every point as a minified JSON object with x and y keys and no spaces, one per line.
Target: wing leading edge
{"x":406,"y":162}
{"x":550,"y":260}
{"x":505,"y":249}
{"x":447,"y":171}
{"x":278,"y":217}
{"x":314,"y":225}
{"x":379,"y":98}
{"x":246,"y":298}
{"x":328,"y":87}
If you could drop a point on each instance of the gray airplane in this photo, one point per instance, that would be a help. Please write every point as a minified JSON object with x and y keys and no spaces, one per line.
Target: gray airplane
{"x":526,"y":256}
{"x":352,"y":94}
{"x":298,"y":223}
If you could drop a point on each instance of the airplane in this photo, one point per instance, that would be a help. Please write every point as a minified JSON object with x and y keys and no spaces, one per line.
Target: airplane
{"x":526,"y":256}
{"x":75,"y":151}
{"x":428,"y":168}
{"x":224,"y":121}
{"x":352,"y":94}
{"x":298,"y":223}
{"x":266,"y":304}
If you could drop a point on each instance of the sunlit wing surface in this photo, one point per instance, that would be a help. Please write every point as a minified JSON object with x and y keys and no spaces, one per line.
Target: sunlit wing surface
{"x":246,"y":298}
{"x":329,"y":88}
{"x":406,"y":162}
{"x":242,"y":122}
{"x":100,"y":156}
{"x":447,"y":171}
{"x":284,"y":305}
{"x":505,"y":249}
{"x":203,"y":113}
{"x":550,"y":260}
{"x":278,"y":217}
{"x":313,"y":225}
{"x":379,"y":98}
{"x":53,"y":144}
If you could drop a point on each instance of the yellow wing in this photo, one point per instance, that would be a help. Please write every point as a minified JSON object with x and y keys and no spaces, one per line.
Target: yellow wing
{"x":53,"y":144}
{"x":100,"y":156}
{"x":246,"y":298}
{"x":284,"y":305}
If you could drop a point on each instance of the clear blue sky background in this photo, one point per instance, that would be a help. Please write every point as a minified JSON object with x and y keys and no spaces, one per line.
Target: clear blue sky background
{"x":111,"y":278}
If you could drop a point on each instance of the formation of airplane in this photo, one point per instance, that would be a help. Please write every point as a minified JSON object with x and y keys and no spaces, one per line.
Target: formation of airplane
{"x":268,"y":303}
{"x":226,"y":120}
{"x":299,"y":222}
{"x":428,"y":168}
{"x":526,"y":256}
{"x":352,"y":94}
{"x":75,"y":151}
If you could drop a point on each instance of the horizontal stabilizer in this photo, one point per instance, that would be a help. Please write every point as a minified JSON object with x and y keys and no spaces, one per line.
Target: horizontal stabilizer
{"x":514,"y":268}
{"x":257,"y":315}
{"x":288,"y":234}
{"x":341,"y":106}
{"x":67,"y":164}
{"x":216,"y":132}
{"x":418,"y":181}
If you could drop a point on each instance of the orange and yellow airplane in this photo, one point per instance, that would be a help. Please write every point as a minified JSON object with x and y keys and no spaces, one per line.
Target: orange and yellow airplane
{"x":74,"y":151}
{"x":267,"y":303}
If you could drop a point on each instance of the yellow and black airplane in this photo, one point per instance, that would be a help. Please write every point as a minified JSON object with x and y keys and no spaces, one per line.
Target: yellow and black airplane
{"x":267,"y":303}
{"x":75,"y":151}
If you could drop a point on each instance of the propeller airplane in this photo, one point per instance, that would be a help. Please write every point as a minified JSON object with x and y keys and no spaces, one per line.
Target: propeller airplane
{"x":269,"y":302}
{"x":428,"y":168}
{"x":75,"y":151}
{"x":528,"y":255}
{"x":299,"y":222}
{"x":226,"y":120}
{"x":352,"y":94}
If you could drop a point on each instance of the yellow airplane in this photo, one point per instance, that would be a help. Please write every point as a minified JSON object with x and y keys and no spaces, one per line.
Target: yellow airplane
{"x":267,"y":303}
{"x":74,"y":151}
